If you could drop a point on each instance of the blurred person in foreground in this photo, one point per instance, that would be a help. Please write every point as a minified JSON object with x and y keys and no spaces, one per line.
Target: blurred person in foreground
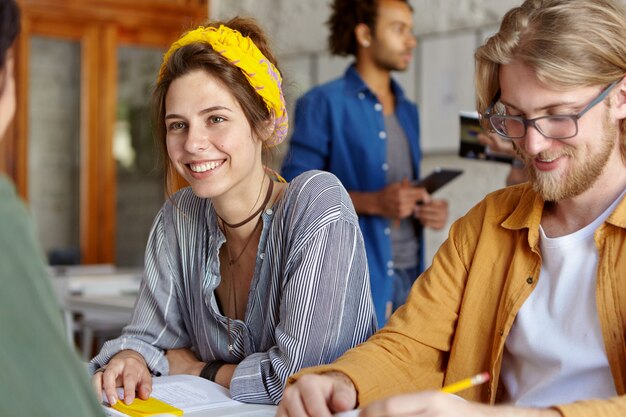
{"x":40,"y":373}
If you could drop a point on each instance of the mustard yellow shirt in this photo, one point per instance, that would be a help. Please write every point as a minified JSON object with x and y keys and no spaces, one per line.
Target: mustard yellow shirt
{"x":461,"y":310}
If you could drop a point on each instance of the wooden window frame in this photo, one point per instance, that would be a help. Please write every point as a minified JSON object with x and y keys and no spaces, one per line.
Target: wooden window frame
{"x":101,"y":26}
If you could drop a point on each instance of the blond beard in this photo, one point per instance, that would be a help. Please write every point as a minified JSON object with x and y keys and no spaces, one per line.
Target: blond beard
{"x":579,"y":175}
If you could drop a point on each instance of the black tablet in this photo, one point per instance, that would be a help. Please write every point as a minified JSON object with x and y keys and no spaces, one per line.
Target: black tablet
{"x":438,"y":178}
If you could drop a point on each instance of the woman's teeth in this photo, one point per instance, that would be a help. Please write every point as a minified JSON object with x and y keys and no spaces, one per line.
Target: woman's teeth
{"x":206,"y":166}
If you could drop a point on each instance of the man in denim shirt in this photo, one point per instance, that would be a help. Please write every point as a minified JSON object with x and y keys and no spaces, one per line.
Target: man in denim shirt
{"x":364,"y":130}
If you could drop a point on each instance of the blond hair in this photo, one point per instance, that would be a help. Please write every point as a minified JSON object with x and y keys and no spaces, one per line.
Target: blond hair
{"x":567,"y":43}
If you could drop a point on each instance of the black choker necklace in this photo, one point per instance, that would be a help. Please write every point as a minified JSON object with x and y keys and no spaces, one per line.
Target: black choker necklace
{"x":256,"y":213}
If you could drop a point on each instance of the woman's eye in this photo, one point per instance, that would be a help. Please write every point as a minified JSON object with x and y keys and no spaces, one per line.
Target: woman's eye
{"x":216,"y":119}
{"x":177,"y":126}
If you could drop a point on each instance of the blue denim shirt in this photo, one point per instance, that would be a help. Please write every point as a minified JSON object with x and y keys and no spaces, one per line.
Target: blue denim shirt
{"x":339,"y":127}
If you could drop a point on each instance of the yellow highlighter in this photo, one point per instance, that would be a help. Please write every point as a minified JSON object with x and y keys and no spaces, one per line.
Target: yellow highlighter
{"x":466,"y":383}
{"x":149,"y":407}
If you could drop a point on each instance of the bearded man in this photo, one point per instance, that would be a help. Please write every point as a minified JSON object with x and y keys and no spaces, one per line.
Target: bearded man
{"x":531,"y":283}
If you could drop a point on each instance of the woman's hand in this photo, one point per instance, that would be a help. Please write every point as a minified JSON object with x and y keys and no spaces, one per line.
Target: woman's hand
{"x":126,"y":369}
{"x":183,"y":361}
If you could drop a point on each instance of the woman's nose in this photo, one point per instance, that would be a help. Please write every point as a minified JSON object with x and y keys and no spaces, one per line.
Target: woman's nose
{"x":197,"y":140}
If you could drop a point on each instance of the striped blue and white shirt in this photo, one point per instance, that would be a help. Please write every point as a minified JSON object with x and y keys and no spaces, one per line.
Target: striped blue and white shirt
{"x":309,"y":300}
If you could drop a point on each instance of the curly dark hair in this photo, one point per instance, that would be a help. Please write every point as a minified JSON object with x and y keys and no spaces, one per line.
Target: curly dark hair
{"x":9,"y":27}
{"x":346,"y":15}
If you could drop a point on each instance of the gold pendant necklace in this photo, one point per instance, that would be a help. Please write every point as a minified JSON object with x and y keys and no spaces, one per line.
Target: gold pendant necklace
{"x":232,"y":262}
{"x":232,"y":293}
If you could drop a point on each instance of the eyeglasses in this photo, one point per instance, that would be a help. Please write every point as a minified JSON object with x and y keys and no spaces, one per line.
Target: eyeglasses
{"x":559,"y":126}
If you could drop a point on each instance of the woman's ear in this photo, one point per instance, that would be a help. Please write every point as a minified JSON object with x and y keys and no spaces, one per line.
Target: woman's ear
{"x":363,"y":35}
{"x":265,"y":131}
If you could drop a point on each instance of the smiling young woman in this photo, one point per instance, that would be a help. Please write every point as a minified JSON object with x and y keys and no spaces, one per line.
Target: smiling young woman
{"x":247,"y":278}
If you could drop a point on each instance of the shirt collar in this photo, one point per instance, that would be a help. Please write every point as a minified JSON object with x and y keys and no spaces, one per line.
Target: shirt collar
{"x":526,"y":214}
{"x":355,"y":84}
{"x":529,"y":209}
{"x":618,"y":217}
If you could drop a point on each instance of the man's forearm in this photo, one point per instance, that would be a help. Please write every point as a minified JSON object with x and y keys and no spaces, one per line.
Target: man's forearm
{"x":366,"y":202}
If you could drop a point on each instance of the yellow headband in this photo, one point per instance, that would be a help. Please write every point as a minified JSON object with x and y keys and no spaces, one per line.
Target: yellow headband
{"x":244,"y":54}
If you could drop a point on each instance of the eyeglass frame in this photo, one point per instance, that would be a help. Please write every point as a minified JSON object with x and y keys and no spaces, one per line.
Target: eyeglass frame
{"x":533,"y":122}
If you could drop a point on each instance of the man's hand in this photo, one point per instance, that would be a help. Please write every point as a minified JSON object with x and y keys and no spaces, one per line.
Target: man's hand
{"x":397,"y":200}
{"x":433,"y":214}
{"x":497,"y":144}
{"x":517,"y":174}
{"x":318,"y":396}
{"x":438,"y":404}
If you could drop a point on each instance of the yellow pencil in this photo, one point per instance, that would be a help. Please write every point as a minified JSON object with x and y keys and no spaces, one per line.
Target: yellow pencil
{"x":466,"y":383}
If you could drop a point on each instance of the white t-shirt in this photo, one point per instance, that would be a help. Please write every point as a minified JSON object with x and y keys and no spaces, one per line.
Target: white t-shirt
{"x":555,"y":352}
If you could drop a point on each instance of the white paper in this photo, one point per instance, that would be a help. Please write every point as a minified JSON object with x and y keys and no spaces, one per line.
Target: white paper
{"x":186,"y":392}
{"x":257,"y":413}
{"x":351,"y":413}
{"x":190,"y":393}
{"x":112,"y":412}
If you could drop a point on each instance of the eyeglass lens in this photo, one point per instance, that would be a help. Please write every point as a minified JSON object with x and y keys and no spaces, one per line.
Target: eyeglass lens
{"x":556,"y":127}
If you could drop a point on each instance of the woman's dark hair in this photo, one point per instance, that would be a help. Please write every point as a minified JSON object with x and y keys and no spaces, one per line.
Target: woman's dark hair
{"x":345,"y":16}
{"x":202,"y":56}
{"x":9,"y":27}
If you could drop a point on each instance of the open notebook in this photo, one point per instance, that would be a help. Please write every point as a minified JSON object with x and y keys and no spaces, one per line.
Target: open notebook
{"x":185,"y":392}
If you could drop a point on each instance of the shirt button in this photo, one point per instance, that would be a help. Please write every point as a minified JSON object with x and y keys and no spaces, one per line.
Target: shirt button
{"x":361,"y":96}
{"x":262,"y":255}
{"x":269,"y":211}
{"x":382,"y":135}
{"x":390,"y":272}
{"x":385,"y":167}
{"x":390,"y":264}
{"x":387,"y":231}
{"x":378,"y":107}
{"x":529,"y":280}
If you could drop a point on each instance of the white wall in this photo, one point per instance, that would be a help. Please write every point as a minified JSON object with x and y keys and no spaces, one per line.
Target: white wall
{"x":440,"y":79}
